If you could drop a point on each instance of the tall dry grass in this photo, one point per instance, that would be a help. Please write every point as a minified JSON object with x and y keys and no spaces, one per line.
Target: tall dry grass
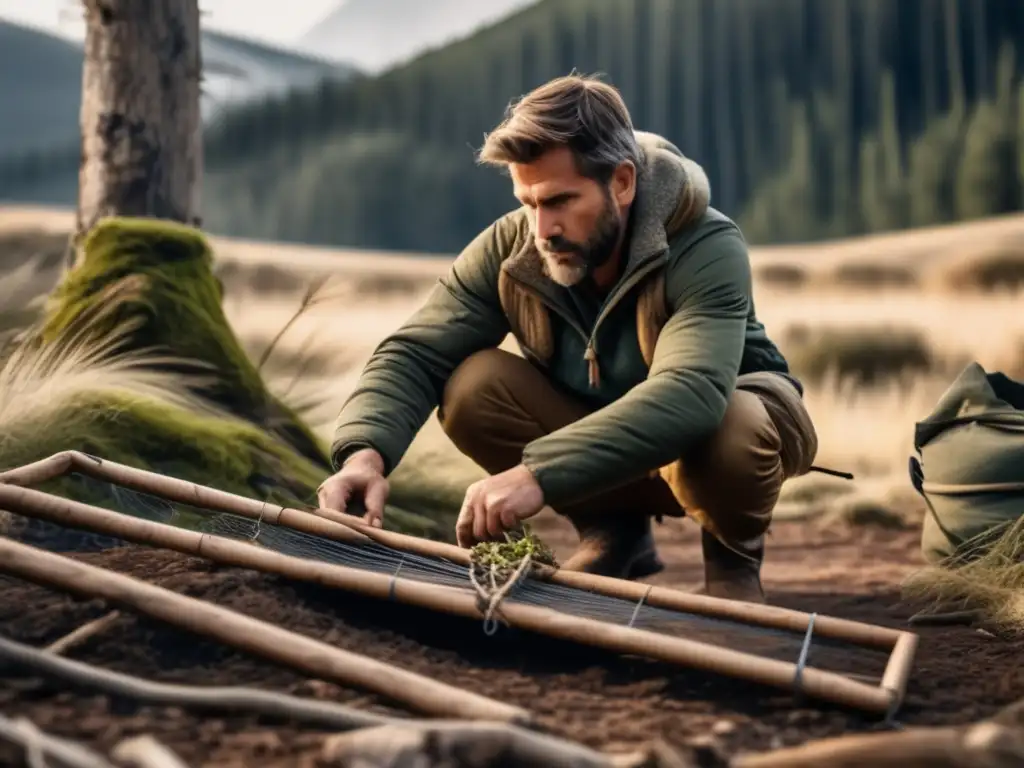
{"x":987,"y":579}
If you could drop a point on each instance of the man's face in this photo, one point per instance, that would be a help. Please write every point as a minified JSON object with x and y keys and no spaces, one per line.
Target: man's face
{"x":576,"y":222}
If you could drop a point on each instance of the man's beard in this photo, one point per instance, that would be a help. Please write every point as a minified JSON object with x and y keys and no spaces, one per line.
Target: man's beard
{"x":567,"y":263}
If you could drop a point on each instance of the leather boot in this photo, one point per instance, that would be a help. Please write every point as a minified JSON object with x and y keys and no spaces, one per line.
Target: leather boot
{"x":733,"y":572}
{"x":621,"y":546}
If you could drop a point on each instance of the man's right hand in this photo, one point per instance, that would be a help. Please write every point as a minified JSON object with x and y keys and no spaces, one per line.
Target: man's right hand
{"x":362,"y":474}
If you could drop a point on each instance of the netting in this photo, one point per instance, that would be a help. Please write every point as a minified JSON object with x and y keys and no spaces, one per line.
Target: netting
{"x":845,"y":658}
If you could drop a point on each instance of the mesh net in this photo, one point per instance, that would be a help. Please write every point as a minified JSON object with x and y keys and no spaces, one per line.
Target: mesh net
{"x":858,"y":662}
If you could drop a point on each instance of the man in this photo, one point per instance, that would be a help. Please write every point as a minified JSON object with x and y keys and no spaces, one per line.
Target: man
{"x":647,"y":386}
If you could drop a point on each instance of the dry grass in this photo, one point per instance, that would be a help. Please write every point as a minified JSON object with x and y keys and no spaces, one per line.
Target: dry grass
{"x":988,"y":578}
{"x":867,"y":355}
{"x":989,"y":266}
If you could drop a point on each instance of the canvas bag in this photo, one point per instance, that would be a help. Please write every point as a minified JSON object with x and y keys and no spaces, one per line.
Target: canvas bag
{"x":970,"y":463}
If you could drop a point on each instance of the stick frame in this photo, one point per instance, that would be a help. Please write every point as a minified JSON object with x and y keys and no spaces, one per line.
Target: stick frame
{"x":885,"y":698}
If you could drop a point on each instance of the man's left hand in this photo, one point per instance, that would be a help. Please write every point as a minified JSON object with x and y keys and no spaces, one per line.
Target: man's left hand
{"x":498,"y":504}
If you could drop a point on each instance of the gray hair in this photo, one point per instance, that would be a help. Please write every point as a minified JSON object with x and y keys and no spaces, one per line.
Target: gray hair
{"x":577,"y":111}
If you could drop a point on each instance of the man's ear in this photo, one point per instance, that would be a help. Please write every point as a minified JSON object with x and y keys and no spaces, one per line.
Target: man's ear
{"x":623,"y":184}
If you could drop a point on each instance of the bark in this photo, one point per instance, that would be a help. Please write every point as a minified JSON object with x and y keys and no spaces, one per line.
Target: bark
{"x":140,"y":119}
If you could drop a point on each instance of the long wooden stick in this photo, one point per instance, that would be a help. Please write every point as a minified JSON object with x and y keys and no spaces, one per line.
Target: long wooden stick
{"x":351,"y":529}
{"x":815,"y":683}
{"x":982,"y":745}
{"x":248,"y":634}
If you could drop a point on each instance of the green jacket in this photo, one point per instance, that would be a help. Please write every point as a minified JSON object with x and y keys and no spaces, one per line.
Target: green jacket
{"x":646,"y":415}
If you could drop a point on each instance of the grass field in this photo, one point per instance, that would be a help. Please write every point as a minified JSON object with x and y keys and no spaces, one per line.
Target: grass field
{"x":877,"y":327}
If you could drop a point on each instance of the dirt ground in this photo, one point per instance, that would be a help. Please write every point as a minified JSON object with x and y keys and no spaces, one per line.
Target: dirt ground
{"x":598,"y":699}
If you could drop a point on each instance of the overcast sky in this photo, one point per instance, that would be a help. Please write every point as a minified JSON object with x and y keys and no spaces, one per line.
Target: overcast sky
{"x":274,"y":21}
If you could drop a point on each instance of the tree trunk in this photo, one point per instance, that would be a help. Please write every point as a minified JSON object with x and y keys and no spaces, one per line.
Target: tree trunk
{"x":140,"y":119}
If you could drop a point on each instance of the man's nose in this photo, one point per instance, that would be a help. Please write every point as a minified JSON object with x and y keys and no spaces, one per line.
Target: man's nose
{"x":547,"y":225}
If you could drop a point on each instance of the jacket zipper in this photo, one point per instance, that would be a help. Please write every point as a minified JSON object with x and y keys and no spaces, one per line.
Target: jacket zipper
{"x":590,"y":353}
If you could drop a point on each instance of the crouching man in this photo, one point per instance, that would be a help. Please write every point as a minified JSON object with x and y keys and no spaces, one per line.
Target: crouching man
{"x":647,"y":385}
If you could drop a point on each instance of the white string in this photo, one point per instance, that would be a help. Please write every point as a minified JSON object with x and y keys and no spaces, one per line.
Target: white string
{"x":804,"y":650}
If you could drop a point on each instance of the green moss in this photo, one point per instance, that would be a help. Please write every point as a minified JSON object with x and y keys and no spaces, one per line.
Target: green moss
{"x":177,"y":310}
{"x":505,"y":556}
{"x":226,"y":454}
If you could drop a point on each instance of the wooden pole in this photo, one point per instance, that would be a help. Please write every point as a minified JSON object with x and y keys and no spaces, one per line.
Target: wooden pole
{"x":814,"y":683}
{"x":349,"y":528}
{"x":246,"y":633}
{"x":983,"y":745}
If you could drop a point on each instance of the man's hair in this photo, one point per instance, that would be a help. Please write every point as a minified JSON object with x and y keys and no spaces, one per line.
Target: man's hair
{"x":580,"y":112}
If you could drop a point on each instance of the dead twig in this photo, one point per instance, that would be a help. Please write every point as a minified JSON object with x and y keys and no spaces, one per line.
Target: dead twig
{"x":83,"y":633}
{"x":309,"y":299}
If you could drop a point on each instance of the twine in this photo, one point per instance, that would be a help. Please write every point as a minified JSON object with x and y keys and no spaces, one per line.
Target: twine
{"x":490,"y":598}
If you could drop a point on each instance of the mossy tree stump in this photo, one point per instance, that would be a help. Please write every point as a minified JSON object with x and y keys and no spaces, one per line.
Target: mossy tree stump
{"x":176,"y":309}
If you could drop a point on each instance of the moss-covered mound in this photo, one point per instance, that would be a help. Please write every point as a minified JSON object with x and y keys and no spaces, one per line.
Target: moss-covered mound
{"x":228,"y":454}
{"x":176,"y":310}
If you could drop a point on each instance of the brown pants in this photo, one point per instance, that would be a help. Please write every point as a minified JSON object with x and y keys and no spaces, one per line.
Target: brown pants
{"x":495,"y":403}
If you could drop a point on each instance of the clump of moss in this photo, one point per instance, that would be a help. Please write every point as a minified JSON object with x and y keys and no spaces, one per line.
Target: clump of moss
{"x":502,"y":558}
{"x":177,"y":310}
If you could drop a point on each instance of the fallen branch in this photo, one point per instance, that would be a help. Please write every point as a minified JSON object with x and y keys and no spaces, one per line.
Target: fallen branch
{"x":983,"y":745}
{"x":457,"y":745}
{"x":39,"y":746}
{"x":145,"y":752}
{"x":83,"y":633}
{"x":252,"y":635}
{"x":325,"y":714}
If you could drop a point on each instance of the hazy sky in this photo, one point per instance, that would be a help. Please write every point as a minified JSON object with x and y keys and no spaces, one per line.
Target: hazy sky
{"x":271,"y":20}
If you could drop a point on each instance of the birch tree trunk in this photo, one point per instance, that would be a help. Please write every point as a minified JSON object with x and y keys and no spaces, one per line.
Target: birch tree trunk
{"x":140,"y":119}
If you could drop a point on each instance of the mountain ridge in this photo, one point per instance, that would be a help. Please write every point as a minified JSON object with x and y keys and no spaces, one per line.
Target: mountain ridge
{"x":367,"y":31}
{"x":41,"y":80}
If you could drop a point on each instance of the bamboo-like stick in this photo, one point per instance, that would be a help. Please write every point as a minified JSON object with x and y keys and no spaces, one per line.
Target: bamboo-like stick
{"x":344,"y":527}
{"x":816,"y":683}
{"x":83,"y":633}
{"x":177,"y":490}
{"x":244,"y":632}
{"x":326,"y":714}
{"x":982,"y":745}
{"x":897,"y":671}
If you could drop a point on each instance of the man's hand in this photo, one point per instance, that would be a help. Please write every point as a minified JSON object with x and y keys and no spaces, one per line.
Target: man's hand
{"x":497,"y":504}
{"x":362,"y":473}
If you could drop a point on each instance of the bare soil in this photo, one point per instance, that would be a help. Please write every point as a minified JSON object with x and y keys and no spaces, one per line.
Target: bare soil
{"x":601,"y":700}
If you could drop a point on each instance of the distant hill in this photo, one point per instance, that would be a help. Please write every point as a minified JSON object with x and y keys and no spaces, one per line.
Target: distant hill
{"x":377,"y":34}
{"x":40,"y":89}
{"x":41,"y":81}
